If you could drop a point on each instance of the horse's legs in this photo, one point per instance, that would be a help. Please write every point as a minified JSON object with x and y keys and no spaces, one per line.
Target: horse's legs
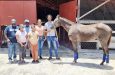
{"x":105,"y":54}
{"x":75,"y":51}
{"x":75,"y":56}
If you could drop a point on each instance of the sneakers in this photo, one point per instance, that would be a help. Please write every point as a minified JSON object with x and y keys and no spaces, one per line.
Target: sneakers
{"x":21,"y":62}
{"x":49,"y":58}
{"x":57,"y":58}
{"x":35,"y":61}
{"x":10,"y":62}
{"x":14,"y":60}
{"x":41,"y":57}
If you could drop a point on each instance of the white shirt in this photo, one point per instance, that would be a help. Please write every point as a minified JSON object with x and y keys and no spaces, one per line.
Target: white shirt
{"x":22,"y":36}
{"x":48,"y":26}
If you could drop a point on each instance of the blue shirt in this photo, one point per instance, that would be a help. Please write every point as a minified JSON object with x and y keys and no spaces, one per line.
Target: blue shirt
{"x":27,"y":28}
{"x":48,"y":26}
{"x":10,"y":32}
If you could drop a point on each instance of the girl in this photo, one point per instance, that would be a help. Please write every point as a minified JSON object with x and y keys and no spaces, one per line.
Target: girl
{"x":21,"y":37}
{"x":33,"y":40}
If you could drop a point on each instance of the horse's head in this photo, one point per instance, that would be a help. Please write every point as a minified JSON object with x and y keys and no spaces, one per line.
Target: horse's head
{"x":57,"y":21}
{"x":65,"y":23}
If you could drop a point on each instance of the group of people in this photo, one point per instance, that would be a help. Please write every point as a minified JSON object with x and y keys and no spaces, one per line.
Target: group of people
{"x":23,"y":36}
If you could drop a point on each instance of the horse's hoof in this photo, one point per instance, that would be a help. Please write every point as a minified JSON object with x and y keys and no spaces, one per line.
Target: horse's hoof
{"x":101,"y":63}
{"x":74,"y":61}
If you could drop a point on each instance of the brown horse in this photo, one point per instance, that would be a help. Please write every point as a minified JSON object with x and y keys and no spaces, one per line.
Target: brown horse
{"x":80,"y":33}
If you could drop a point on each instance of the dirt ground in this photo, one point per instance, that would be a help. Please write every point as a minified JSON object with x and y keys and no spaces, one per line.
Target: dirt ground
{"x":88,"y":64}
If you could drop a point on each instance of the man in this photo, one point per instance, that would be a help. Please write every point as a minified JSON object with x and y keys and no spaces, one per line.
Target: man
{"x":51,"y":37}
{"x":27,"y":28}
{"x":9,"y":33}
{"x":27,"y":25}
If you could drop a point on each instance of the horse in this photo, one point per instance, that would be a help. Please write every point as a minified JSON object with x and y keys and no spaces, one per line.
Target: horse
{"x":81,"y":33}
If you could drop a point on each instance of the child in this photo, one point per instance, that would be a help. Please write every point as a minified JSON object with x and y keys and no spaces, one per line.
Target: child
{"x":21,"y":37}
{"x":33,"y":40}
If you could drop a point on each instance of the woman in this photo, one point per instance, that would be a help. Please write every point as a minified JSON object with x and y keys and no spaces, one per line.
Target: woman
{"x":41,"y":31}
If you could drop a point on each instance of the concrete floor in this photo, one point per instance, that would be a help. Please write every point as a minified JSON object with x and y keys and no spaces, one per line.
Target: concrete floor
{"x":88,"y":64}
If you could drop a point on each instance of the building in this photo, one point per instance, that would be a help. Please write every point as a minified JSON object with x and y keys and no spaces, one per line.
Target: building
{"x":34,"y":9}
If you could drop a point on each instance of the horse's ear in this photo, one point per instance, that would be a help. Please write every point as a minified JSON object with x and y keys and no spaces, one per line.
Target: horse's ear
{"x":58,"y":16}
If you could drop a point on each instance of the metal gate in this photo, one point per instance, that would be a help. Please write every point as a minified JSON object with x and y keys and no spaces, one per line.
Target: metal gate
{"x":95,"y":11}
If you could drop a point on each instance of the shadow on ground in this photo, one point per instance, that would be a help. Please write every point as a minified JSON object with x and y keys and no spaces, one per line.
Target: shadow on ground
{"x":87,"y":65}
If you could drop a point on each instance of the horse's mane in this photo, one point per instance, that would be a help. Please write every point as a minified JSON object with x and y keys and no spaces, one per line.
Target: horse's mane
{"x":67,"y":21}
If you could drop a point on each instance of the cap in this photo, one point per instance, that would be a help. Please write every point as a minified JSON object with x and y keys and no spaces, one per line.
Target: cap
{"x":13,"y":20}
{"x":26,"y":20}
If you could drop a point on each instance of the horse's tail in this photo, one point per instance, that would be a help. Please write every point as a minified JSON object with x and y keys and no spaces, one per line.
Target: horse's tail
{"x":109,"y":38}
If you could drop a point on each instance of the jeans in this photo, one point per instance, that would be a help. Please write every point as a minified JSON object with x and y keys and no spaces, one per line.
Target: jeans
{"x":51,"y":40}
{"x":40,"y":45}
{"x":12,"y":48}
